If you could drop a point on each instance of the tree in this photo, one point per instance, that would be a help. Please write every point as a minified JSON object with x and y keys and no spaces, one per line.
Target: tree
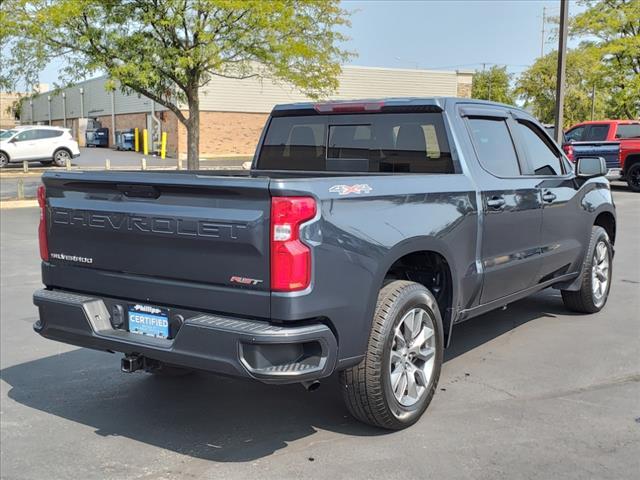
{"x":169,"y":49}
{"x":607,"y":60}
{"x":537,"y":86}
{"x":493,"y":84}
{"x":612,"y":29}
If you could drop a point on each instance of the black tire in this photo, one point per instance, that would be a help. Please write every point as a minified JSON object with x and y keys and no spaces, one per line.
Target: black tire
{"x":46,"y":163}
{"x":586,"y":300}
{"x":4,"y":159}
{"x":633,"y":177}
{"x":60,"y":157}
{"x":366,"y":387}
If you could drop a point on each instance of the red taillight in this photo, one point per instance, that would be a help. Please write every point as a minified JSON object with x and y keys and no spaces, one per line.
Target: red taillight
{"x":348,"y":107}
{"x":42,"y":228}
{"x":290,"y":258}
{"x":568,"y":150}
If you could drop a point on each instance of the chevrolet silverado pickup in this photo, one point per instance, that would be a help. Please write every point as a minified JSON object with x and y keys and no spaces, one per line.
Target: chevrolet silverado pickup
{"x":363,"y":233}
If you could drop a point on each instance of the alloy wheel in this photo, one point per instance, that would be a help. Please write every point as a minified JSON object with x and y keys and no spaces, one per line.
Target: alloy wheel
{"x":412,"y":357}
{"x":600,"y":273}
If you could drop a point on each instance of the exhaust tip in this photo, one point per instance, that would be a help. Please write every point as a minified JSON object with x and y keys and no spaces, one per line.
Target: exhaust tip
{"x":311,"y":386}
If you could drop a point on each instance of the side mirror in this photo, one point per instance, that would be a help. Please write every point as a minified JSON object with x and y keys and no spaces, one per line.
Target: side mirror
{"x":590,"y":167}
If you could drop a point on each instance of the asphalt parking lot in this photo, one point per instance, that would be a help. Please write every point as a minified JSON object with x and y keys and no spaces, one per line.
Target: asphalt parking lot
{"x":94,"y":158}
{"x":531,"y":392}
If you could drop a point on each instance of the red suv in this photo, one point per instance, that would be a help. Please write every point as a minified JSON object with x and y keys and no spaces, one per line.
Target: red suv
{"x":627,"y":132}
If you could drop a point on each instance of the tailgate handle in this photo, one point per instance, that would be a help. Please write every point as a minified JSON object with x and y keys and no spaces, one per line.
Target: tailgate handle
{"x":140,"y":191}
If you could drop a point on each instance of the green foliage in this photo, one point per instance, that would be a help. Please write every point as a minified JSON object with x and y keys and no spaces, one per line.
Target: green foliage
{"x":169,"y":49}
{"x":493,"y":84}
{"x":537,"y":86}
{"x":608,"y":59}
{"x":612,"y":28}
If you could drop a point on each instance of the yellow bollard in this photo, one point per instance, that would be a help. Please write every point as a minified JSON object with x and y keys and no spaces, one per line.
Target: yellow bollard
{"x":145,"y":143}
{"x":136,"y":143}
{"x":163,"y":146}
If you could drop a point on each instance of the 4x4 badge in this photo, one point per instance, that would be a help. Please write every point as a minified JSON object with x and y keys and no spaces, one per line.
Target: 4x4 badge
{"x":348,"y":189}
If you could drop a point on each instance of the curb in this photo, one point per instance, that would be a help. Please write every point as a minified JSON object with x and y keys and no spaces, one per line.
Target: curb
{"x":7,"y":204}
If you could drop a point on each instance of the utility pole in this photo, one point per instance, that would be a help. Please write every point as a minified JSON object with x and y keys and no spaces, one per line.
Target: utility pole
{"x":593,"y":101}
{"x":544,"y":20}
{"x":562,"y":51}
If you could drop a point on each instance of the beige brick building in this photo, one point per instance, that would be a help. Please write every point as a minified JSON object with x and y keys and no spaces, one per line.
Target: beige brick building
{"x":232,"y":112}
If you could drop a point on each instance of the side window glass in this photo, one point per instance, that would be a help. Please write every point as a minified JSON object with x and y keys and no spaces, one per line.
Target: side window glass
{"x":543,"y":158}
{"x":575,"y":134}
{"x":494,"y":146}
{"x":597,"y":133}
{"x":26,"y":135}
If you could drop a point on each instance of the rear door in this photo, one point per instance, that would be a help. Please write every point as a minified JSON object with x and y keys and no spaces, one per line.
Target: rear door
{"x":512,"y":208}
{"x":189,"y":240}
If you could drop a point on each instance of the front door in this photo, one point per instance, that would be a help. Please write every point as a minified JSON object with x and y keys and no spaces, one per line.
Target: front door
{"x":563,"y":235}
{"x":512,"y":209}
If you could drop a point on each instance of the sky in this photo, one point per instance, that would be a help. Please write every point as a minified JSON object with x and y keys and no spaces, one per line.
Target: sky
{"x":441,"y":35}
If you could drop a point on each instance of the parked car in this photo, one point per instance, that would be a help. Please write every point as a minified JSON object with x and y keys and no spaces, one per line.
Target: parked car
{"x":363,"y":233}
{"x":625,"y":132}
{"x":49,"y":145}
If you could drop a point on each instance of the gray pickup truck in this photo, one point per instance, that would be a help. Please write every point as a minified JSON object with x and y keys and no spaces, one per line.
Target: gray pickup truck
{"x":362,"y":234}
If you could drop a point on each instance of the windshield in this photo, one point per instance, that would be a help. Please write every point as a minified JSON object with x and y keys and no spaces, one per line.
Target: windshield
{"x":7,"y":133}
{"x":384,"y":142}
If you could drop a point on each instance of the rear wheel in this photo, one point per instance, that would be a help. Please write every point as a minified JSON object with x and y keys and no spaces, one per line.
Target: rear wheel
{"x":633,"y":177}
{"x":4,"y":160}
{"x":596,"y":276}
{"x":395,"y":382}
{"x":60,"y":157}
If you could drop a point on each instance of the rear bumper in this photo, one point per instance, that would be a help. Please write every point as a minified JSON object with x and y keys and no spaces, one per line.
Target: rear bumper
{"x":230,"y":346}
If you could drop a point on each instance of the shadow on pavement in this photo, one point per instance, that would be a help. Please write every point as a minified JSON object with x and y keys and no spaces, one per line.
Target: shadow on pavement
{"x":211,"y":417}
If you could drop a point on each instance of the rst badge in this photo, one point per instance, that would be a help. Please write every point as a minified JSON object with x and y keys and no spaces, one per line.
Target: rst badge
{"x":349,"y":189}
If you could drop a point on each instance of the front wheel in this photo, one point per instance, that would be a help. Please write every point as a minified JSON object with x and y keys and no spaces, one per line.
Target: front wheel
{"x":596,"y":276}
{"x":633,"y":177}
{"x":395,"y":382}
{"x":4,"y":160}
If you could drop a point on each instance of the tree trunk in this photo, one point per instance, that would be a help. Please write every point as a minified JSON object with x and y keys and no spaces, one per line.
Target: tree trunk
{"x":193,"y":134}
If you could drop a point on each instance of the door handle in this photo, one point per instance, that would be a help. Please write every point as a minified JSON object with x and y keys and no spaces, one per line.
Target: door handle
{"x":496,"y":202}
{"x":548,"y":197}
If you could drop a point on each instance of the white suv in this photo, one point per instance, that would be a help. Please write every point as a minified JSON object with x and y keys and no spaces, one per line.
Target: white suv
{"x":46,"y":144}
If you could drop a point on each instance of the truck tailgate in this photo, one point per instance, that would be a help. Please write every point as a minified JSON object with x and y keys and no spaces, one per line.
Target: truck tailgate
{"x":152,"y":235}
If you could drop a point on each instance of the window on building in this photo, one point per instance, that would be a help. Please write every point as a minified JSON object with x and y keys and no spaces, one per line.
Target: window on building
{"x":494,"y":146}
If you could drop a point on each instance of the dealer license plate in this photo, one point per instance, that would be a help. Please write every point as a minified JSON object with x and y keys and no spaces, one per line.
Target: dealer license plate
{"x":149,"y":320}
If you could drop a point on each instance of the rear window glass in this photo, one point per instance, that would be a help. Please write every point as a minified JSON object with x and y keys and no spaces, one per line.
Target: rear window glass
{"x":628,"y":131}
{"x":597,"y":133}
{"x":382,"y":142}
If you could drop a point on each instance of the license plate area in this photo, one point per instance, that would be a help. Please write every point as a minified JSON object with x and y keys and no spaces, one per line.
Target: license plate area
{"x":148,"y":320}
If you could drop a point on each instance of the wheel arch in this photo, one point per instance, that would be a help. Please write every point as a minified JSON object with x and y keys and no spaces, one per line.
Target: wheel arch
{"x":7,"y":154}
{"x":404,"y":257}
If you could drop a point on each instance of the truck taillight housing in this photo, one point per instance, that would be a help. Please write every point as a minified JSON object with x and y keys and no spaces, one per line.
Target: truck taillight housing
{"x":42,"y":227}
{"x":290,"y":258}
{"x":568,"y":150}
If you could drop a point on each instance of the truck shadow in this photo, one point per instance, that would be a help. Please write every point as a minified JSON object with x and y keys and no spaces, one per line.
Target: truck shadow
{"x":211,"y":417}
